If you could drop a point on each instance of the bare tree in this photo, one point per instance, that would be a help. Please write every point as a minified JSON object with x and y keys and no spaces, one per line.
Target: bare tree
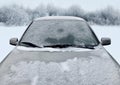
{"x":75,"y":10}
{"x":15,"y":15}
{"x":52,"y":10}
{"x":40,"y":11}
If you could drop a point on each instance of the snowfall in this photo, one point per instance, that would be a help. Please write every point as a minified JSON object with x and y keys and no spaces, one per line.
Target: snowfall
{"x":113,"y":32}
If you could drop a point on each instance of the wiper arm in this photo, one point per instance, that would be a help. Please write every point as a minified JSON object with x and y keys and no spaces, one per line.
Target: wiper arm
{"x":69,"y":45}
{"x":58,"y":46}
{"x":29,"y":44}
{"x":87,"y":46}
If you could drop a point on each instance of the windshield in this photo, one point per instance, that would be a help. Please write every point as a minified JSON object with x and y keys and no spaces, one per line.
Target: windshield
{"x":59,"y":32}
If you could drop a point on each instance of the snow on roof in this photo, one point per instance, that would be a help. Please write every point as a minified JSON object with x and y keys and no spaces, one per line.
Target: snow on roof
{"x":60,"y":17}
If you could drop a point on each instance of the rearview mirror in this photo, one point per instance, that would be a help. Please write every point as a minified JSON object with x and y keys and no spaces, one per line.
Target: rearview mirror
{"x":13,"y":41}
{"x":105,"y":41}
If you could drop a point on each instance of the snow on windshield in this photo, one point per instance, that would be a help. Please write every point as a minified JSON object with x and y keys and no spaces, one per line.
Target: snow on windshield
{"x":77,"y":71}
{"x":50,"y":32}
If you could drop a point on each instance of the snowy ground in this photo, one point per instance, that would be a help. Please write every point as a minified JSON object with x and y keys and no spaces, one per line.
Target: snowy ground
{"x":112,"y":32}
{"x":101,"y":31}
{"x":5,"y":34}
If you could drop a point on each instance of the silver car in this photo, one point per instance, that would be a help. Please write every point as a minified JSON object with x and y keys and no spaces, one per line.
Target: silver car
{"x":59,"y":51}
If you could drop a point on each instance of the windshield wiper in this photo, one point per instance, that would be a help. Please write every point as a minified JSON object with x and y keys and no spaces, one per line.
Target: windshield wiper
{"x":29,"y":44}
{"x":68,"y":45}
{"x":59,"y":46}
{"x":87,"y":46}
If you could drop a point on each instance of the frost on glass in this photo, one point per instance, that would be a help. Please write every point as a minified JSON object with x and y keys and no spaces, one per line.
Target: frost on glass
{"x":77,"y":71}
{"x":50,"y":32}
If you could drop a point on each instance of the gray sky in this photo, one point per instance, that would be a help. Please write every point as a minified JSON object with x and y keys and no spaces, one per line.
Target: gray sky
{"x":88,"y":5}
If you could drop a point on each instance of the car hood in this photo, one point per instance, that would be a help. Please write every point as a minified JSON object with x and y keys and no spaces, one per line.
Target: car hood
{"x":73,"y":66}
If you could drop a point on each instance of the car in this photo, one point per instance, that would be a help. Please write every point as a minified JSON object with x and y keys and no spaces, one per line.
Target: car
{"x":59,"y":50}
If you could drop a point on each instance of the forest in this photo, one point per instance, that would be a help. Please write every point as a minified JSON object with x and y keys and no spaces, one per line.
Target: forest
{"x":21,"y":16}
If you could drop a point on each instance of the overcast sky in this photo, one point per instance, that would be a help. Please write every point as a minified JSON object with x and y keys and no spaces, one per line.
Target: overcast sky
{"x":88,"y":5}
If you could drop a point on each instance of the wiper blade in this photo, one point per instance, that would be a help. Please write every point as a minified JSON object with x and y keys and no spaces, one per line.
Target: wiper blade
{"x":87,"y":46}
{"x":58,"y":46}
{"x":29,"y":44}
{"x":69,"y":45}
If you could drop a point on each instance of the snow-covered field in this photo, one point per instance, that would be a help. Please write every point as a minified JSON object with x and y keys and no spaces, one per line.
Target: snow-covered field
{"x":112,"y":32}
{"x":101,"y":31}
{"x":5,"y":34}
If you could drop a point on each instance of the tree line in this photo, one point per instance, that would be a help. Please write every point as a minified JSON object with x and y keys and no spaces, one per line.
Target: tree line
{"x":18,"y":15}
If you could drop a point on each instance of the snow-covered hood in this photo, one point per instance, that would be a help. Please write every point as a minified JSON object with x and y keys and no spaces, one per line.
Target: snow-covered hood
{"x":59,"y":67}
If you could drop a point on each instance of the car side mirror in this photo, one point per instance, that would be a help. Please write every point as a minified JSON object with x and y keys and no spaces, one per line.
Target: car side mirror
{"x":105,"y":41}
{"x":13,"y":41}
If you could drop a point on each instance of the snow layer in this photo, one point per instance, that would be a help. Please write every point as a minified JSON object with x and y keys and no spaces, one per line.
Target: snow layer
{"x":77,"y":71}
{"x":60,"y":17}
{"x":53,"y":49}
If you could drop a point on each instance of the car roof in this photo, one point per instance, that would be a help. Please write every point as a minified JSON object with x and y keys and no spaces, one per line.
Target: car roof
{"x":60,"y":17}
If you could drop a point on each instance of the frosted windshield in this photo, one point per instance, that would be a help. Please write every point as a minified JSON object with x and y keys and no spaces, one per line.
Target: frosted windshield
{"x":52,"y":32}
